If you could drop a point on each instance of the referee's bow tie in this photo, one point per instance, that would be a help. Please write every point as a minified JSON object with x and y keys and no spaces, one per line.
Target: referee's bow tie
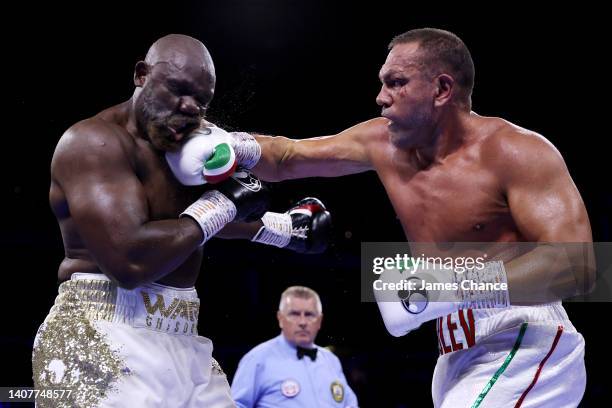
{"x":301,"y":352}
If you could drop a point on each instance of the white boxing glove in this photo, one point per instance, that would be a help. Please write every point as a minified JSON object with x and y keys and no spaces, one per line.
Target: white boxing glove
{"x":407,"y":298}
{"x":206,"y":156}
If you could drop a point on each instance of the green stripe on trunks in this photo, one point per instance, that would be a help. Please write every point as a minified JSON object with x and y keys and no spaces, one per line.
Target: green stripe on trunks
{"x":500,"y":370}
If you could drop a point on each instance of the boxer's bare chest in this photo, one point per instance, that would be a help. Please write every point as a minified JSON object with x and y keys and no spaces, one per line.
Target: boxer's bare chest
{"x":456,"y":200}
{"x":166,"y":197}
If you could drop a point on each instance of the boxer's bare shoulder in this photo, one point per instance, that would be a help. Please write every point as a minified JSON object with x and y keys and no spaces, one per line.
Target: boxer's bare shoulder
{"x":92,"y":150}
{"x":93,"y":158}
{"x":533,"y":177}
{"x":512,"y":151}
{"x":369,"y":132}
{"x":92,"y":166}
{"x":92,"y":139}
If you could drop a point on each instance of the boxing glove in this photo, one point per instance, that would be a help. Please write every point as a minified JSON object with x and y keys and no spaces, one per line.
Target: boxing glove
{"x":304,"y":228}
{"x":409,"y":297}
{"x":206,"y":156}
{"x":242,"y":197}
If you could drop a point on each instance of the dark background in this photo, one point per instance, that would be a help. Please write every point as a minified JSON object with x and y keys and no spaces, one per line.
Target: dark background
{"x":299,"y":69}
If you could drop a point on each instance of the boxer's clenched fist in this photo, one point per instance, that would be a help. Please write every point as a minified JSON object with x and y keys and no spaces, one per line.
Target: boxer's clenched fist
{"x":206,"y":156}
{"x":304,"y":228}
{"x":242,"y":197}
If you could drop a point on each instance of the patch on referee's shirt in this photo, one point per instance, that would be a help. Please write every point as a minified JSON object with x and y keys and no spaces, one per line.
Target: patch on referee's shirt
{"x":337,"y":391}
{"x":290,"y":388}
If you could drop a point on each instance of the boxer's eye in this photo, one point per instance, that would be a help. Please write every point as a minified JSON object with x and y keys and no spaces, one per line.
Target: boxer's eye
{"x":396,"y":83}
{"x":175,"y":89}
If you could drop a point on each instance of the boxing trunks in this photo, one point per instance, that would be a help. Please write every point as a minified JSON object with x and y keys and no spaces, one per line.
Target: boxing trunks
{"x":113,"y":347}
{"x":522,"y":356}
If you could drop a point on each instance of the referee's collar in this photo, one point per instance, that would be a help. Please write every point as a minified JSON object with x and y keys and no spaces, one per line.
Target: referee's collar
{"x":292,"y":348}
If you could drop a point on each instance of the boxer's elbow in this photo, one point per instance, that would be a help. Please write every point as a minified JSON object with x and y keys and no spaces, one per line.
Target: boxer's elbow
{"x":127,"y":276}
{"x":589,"y":285}
{"x":585,"y":276}
{"x":128,"y":273}
{"x":583,"y":266}
{"x":132,"y":279}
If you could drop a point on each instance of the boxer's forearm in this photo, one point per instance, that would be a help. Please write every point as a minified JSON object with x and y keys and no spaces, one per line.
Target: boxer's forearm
{"x":273,"y":149}
{"x":327,"y":156}
{"x":551,"y":272}
{"x":151,"y":252}
{"x":240,"y":230}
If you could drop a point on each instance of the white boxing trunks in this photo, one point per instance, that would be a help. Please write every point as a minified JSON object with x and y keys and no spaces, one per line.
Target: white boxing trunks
{"x":113,"y":347}
{"x":522,"y":356}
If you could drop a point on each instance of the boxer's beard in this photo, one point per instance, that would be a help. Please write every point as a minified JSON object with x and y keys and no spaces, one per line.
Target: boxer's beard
{"x":411,"y":130}
{"x":149,"y":121}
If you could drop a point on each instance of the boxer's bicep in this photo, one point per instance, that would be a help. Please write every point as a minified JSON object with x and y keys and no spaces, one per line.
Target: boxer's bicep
{"x":547,"y":208}
{"x":105,"y":199}
{"x":543,"y":199}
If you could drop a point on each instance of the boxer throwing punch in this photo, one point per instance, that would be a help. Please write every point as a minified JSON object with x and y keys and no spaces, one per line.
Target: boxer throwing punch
{"x":455,"y":176}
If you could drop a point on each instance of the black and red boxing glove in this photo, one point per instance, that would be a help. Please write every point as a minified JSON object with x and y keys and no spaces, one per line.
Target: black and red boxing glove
{"x":242,"y":197}
{"x":304,"y":228}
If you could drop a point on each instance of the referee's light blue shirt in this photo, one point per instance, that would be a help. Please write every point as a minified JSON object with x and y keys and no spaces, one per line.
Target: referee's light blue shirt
{"x":271,"y":376}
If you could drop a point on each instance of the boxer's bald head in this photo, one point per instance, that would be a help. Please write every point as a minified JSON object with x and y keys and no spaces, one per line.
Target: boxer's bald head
{"x":180,"y":50}
{"x":174,"y":85}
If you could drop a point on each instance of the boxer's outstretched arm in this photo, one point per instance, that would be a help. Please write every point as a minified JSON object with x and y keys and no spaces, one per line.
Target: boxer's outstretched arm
{"x":547,"y":208}
{"x":329,"y":156}
{"x":109,"y":207}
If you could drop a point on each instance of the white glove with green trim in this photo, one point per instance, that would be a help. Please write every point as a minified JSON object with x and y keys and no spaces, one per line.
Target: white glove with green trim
{"x":206,"y":156}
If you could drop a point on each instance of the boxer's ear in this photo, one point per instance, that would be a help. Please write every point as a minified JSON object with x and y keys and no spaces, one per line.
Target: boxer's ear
{"x":445,"y":89}
{"x":141,"y":70}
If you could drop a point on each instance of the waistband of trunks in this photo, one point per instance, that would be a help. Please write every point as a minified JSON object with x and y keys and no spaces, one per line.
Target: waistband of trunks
{"x":153,"y":306}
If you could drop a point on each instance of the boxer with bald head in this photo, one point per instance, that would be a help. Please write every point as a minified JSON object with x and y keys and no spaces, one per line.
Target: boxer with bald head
{"x":123,"y":330}
{"x":175,"y":65}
